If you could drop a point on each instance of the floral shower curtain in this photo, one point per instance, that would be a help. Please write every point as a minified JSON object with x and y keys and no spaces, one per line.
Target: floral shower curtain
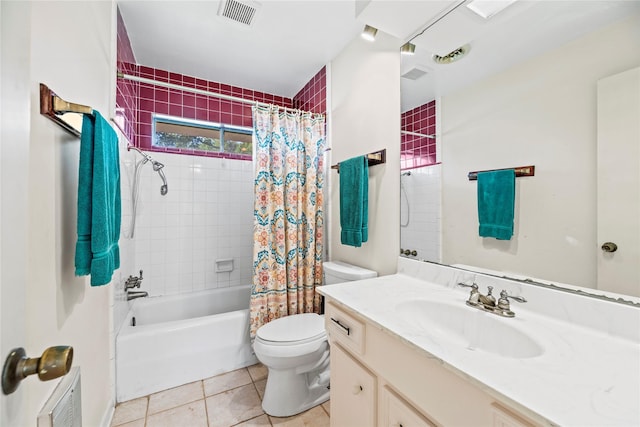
{"x":288,"y":215}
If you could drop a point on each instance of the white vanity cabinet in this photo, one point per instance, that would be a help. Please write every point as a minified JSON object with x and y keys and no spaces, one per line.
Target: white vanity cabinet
{"x":353,"y":387}
{"x":379,"y":380}
{"x":396,"y":412}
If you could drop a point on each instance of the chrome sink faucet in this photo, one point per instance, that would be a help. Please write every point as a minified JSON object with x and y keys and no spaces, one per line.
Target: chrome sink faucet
{"x":488,"y":302}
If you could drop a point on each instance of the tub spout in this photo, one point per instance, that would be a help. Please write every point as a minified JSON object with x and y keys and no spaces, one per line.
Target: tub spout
{"x":136,"y":294}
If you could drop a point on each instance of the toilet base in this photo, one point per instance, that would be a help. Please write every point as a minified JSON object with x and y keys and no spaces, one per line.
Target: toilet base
{"x":292,"y":391}
{"x":297,"y":396}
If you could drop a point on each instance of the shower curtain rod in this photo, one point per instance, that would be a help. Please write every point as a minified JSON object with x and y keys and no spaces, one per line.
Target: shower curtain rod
{"x":406,"y":132}
{"x":201,"y":91}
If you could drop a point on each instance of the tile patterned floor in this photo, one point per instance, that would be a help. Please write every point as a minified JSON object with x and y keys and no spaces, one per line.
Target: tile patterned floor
{"x":231,"y":399}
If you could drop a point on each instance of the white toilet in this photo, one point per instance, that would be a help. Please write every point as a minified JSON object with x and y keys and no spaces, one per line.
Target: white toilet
{"x":296,"y":352}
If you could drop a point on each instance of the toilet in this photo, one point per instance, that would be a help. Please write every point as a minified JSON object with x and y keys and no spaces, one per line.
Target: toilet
{"x":295,"y":350}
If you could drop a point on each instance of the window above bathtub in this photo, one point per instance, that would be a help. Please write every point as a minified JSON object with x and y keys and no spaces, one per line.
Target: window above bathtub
{"x":201,"y":136}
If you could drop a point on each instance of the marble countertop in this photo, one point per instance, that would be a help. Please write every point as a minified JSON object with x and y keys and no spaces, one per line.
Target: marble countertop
{"x":584,"y":376}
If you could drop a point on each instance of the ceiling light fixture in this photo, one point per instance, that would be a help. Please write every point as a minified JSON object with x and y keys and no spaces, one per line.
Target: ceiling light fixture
{"x":408,"y":48}
{"x":454,"y":56}
{"x":488,"y":8}
{"x":369,"y":33}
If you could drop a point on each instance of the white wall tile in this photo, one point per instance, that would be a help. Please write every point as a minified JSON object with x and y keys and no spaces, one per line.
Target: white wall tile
{"x":208,"y":214}
{"x":422,"y":234}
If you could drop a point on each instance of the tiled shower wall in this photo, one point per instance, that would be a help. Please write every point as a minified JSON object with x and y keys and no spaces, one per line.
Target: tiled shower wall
{"x":207,"y":215}
{"x":126,"y":90}
{"x":208,"y":211}
{"x":313,"y":96}
{"x":420,"y":192}
{"x":420,"y":210}
{"x":179,"y":103}
{"x":418,"y":151}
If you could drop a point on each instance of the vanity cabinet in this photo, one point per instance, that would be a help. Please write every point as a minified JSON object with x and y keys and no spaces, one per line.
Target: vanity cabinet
{"x":354,"y":388}
{"x":396,"y":412}
{"x":379,"y":380}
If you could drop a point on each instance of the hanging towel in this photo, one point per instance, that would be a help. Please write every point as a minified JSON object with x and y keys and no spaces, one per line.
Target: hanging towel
{"x":354,"y":201}
{"x":496,"y":197}
{"x":97,"y":251}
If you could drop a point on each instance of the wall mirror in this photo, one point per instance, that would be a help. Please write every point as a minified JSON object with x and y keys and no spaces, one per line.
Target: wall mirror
{"x":523,"y":90}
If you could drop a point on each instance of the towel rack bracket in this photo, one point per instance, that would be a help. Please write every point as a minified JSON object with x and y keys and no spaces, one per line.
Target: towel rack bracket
{"x":520,"y":171}
{"x":52,"y":106}
{"x":375,"y":158}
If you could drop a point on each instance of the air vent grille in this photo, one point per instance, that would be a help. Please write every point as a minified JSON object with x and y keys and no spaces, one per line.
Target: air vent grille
{"x":242,"y":12}
{"x":414,"y":74}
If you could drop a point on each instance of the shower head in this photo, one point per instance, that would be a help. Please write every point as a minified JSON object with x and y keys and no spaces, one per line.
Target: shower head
{"x":156,"y":165}
{"x":163,"y":189}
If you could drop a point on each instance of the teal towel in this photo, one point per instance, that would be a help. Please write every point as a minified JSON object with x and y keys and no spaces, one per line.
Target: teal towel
{"x":354,"y":201}
{"x":97,"y":251}
{"x":496,"y":197}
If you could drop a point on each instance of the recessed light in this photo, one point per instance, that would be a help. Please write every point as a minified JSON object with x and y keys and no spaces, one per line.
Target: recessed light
{"x":369,"y":33}
{"x":408,"y":48}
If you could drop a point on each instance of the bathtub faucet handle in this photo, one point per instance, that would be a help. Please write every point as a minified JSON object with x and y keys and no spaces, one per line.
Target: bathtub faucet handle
{"x":133,"y":282}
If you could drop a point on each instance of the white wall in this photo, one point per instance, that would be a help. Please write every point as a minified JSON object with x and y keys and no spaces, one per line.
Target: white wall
{"x":69,"y":46}
{"x":542,"y":113}
{"x":364,"y":81}
{"x":206,"y":215}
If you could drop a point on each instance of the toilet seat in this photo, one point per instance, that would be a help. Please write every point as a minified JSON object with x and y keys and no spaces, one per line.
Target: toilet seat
{"x":291,"y":336}
{"x":297,"y":328}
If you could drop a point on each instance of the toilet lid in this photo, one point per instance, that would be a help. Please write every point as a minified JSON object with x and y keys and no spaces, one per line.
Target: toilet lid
{"x":298,"y":327}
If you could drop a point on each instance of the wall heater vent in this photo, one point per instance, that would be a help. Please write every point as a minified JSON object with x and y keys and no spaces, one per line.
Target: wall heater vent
{"x":414,"y":73}
{"x":64,"y":406}
{"x":243,"y":12}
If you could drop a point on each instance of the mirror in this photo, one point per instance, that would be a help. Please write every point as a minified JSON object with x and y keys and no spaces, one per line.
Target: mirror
{"x":526,"y":93}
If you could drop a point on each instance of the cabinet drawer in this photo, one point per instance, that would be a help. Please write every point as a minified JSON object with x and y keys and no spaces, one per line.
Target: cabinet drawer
{"x":345,"y":329}
{"x":396,"y":412}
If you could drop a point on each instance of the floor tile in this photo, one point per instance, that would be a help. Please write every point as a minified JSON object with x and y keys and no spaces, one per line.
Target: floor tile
{"x":314,"y":417}
{"x":129,"y":411}
{"x":227,"y":381}
{"x":261,"y":385}
{"x":175,"y":397}
{"x":258,"y":372}
{"x":327,"y":407}
{"x":190,"y":415}
{"x":136,"y":423}
{"x":233,"y":406}
{"x":261,"y":421}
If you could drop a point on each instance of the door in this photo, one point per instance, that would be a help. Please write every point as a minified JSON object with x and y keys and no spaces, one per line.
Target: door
{"x":619,"y":183}
{"x":14,"y":152}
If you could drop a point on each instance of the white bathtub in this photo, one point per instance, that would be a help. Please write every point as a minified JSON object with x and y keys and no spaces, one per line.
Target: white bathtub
{"x":182,"y":338}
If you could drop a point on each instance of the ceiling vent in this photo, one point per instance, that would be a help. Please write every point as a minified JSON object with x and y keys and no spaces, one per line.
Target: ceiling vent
{"x":242,"y":12}
{"x":414,"y":73}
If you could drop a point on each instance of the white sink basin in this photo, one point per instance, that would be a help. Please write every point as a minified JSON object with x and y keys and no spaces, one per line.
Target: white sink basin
{"x":469,"y":327}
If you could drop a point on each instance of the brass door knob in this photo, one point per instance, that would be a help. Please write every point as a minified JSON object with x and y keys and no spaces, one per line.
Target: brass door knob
{"x":54,"y":362}
{"x":609,"y":247}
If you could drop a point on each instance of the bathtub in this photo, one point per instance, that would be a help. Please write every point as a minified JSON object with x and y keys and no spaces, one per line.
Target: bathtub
{"x":182,"y":338}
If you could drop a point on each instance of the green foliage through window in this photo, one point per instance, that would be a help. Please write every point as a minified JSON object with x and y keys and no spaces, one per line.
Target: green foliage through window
{"x":173,"y":132}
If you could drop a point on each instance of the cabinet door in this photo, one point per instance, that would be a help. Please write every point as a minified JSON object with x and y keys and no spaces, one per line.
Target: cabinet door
{"x":505,"y":418}
{"x":396,"y":412}
{"x":353,"y":391}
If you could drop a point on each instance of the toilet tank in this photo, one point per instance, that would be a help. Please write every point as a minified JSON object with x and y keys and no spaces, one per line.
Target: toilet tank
{"x":338,"y":272}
